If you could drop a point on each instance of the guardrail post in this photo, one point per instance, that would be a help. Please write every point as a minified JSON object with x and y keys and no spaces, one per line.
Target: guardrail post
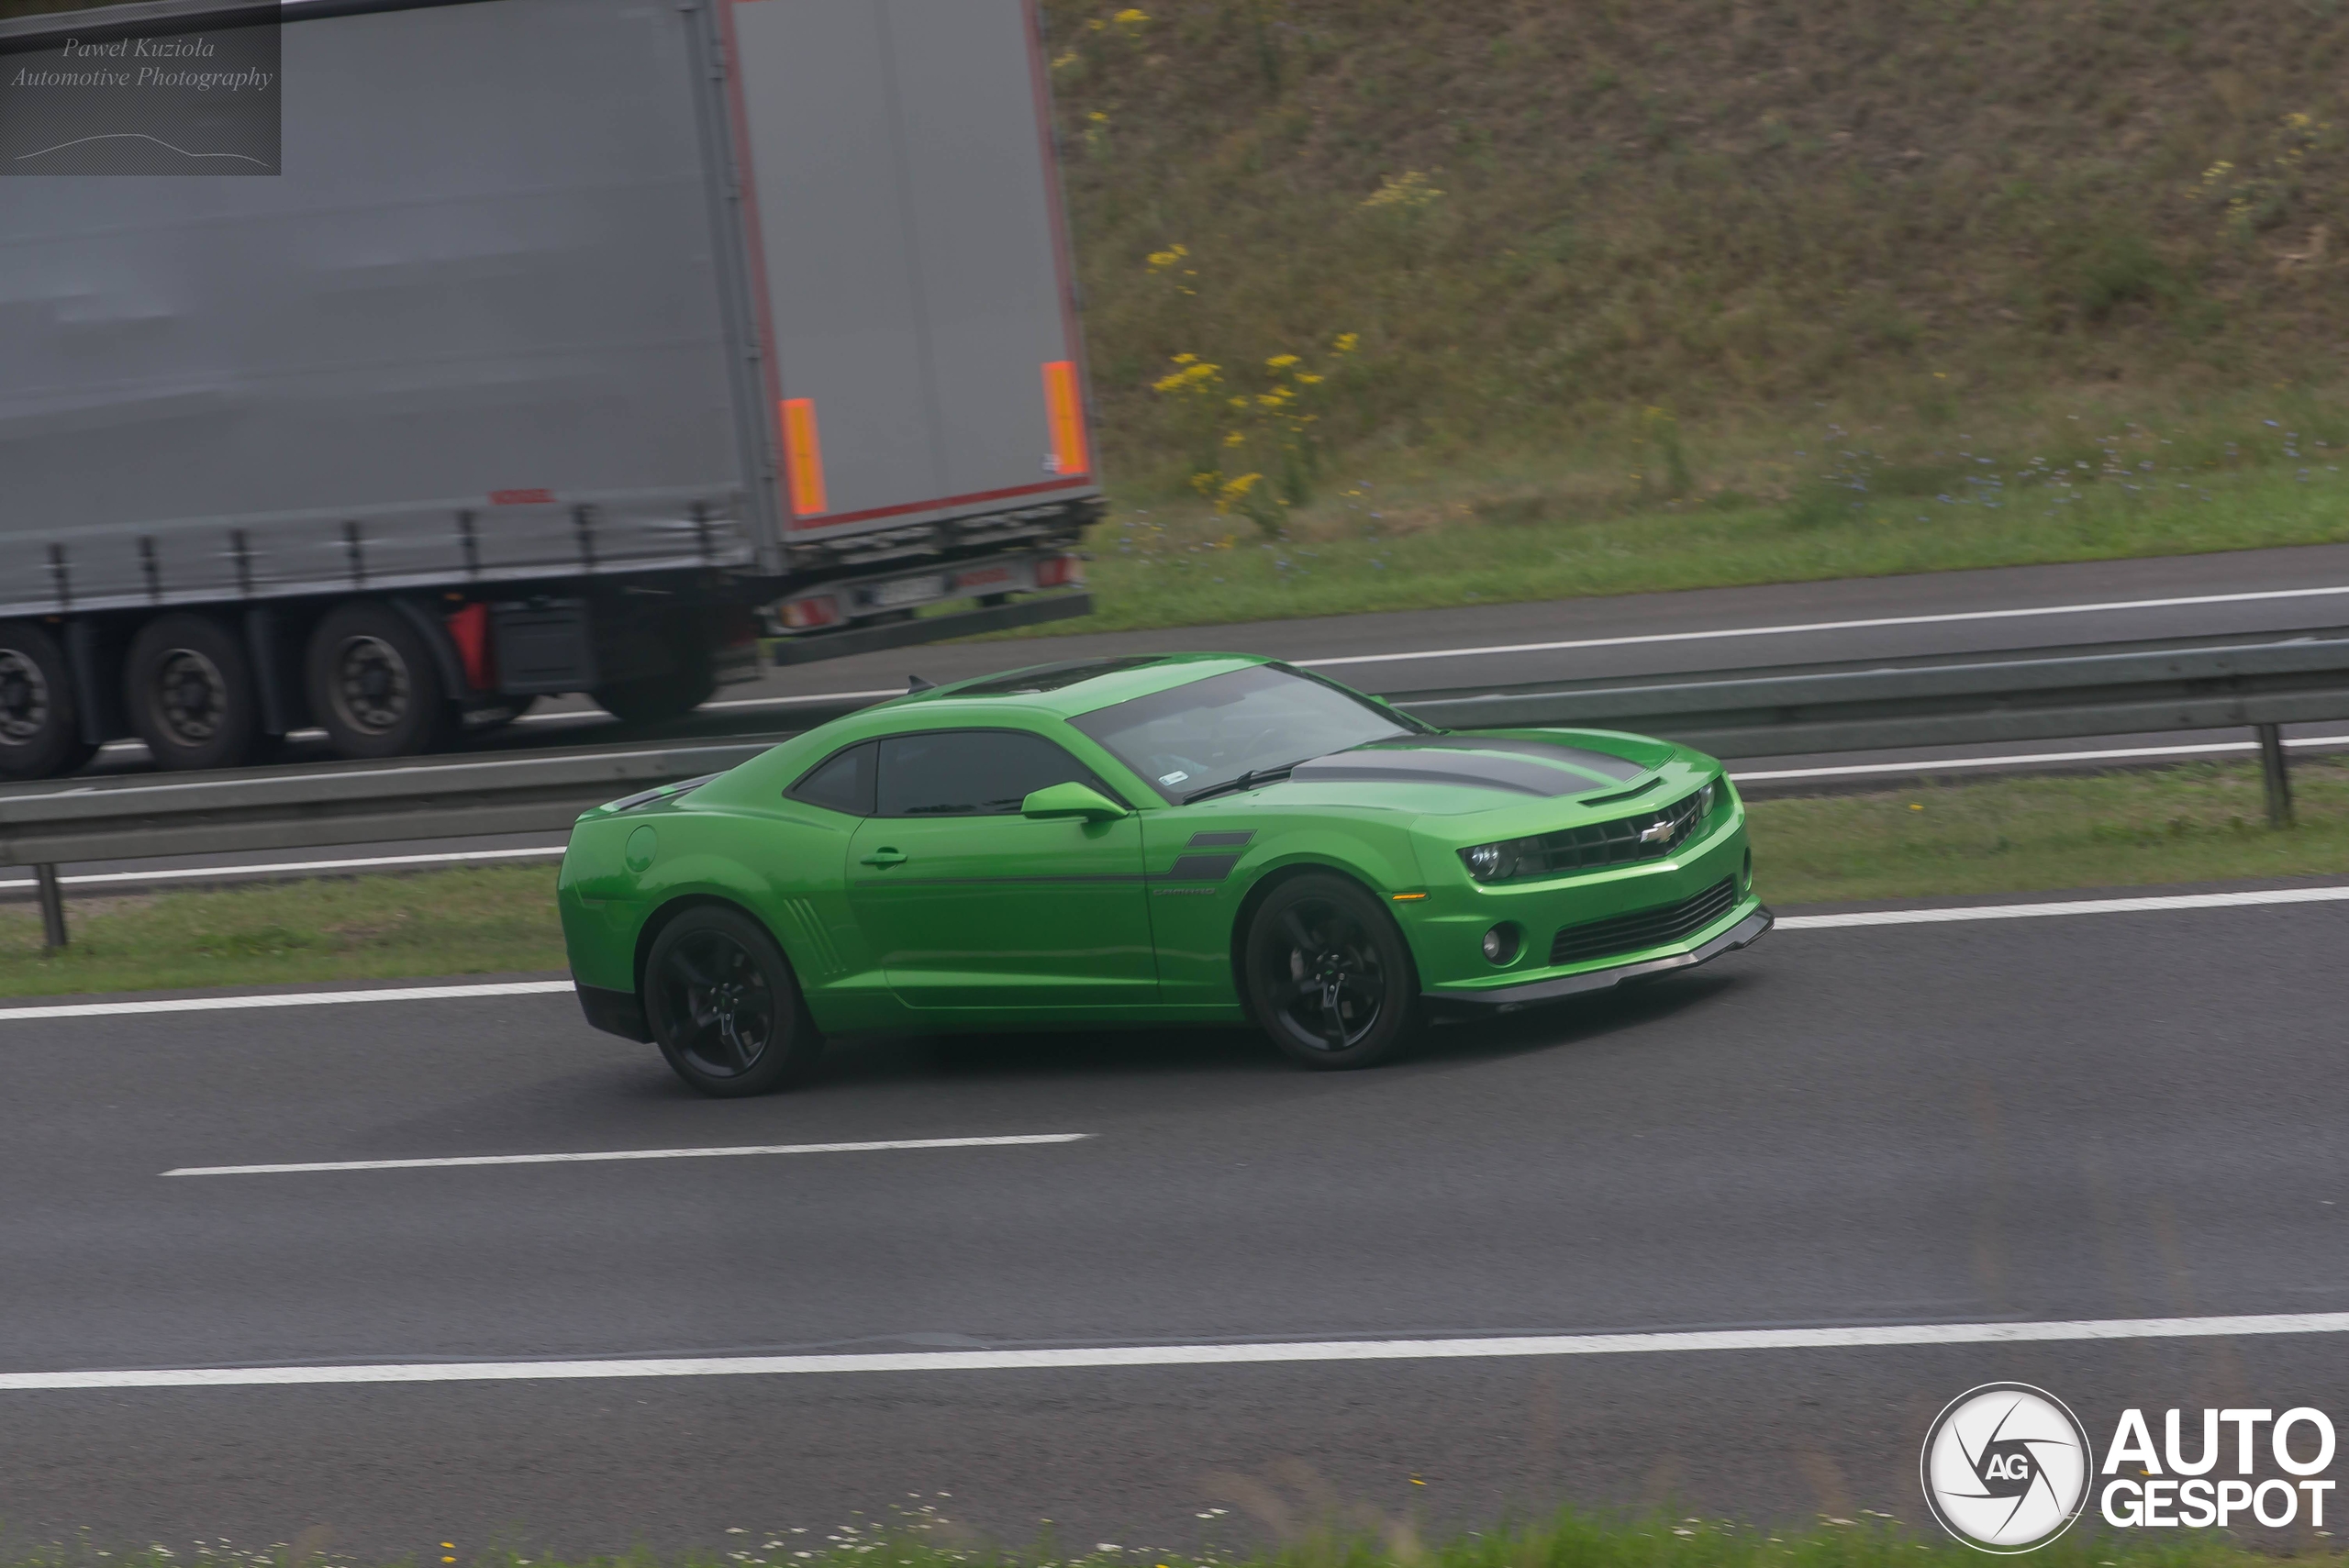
{"x":2280,"y":778}
{"x":52,"y":908}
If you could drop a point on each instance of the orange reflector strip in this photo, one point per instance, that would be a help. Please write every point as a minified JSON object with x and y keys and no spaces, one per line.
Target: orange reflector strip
{"x":803,"y":453}
{"x":1064,"y":404}
{"x":1408,"y":897}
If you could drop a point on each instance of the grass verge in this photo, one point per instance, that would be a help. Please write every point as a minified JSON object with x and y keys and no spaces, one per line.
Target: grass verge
{"x":492,"y":920}
{"x":1372,"y":1540}
{"x":2202,"y":822}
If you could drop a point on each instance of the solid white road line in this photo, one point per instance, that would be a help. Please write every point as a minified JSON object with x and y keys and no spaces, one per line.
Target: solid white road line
{"x":2153,"y":904}
{"x":2120,"y":753}
{"x":1277,"y":1354}
{"x":1871,"y":623}
{"x":630,"y":1154}
{"x":293,"y":999}
{"x":196,"y":874}
{"x":2161,"y":903}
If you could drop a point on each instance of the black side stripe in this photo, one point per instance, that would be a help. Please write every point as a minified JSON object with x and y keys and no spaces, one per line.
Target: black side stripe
{"x":1220,"y":840}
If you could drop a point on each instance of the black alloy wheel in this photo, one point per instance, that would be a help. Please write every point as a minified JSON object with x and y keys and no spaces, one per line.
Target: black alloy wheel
{"x":41,"y":724}
{"x":374,"y":685}
{"x":1328,"y":975}
{"x":725,"y":1007}
{"x":189,"y":688}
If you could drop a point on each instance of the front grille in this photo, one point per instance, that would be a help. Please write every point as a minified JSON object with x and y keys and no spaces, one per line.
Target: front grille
{"x":1624,"y":841}
{"x":1643,"y":928}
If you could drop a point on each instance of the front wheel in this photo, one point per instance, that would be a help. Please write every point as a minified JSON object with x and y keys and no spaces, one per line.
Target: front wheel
{"x":1328,"y":975}
{"x":725,"y":1007}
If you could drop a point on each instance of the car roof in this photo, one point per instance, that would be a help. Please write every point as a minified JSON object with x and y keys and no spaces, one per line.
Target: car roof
{"x":1072,"y":687}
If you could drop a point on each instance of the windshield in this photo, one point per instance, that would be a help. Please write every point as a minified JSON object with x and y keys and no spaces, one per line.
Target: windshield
{"x":1210,"y":732}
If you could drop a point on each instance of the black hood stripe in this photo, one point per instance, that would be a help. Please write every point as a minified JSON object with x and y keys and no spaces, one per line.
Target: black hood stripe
{"x":1606,"y":764}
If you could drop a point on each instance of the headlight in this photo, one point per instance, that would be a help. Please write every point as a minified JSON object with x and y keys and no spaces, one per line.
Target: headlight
{"x":1495,"y":862}
{"x":1705,"y":798}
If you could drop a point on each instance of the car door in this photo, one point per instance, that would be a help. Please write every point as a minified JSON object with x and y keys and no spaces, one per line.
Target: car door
{"x":973,"y":906}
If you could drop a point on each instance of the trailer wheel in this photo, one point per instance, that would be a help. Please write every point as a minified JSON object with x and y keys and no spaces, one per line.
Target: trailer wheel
{"x":373,"y":685}
{"x":40,"y":721}
{"x":188,"y":687}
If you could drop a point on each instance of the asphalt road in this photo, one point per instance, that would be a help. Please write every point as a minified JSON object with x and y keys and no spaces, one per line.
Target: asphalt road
{"x":2082,"y":1116}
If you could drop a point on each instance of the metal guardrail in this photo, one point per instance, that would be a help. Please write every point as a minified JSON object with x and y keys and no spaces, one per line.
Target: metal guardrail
{"x":2259,"y":682}
{"x":2218,"y":683}
{"x":47,"y":826}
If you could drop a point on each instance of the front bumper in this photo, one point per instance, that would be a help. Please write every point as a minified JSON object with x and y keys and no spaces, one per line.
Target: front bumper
{"x":1746,"y":933}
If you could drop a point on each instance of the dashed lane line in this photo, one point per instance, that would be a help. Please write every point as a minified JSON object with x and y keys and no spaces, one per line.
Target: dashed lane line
{"x":592,"y":1157}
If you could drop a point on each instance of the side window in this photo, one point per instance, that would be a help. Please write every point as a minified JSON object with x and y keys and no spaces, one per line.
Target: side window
{"x":843,"y":784}
{"x":972,"y":772}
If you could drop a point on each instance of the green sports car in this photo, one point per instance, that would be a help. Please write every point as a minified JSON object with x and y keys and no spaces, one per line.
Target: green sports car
{"x":1201,"y":838}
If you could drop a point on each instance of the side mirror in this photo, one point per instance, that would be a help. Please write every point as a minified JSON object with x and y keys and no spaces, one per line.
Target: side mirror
{"x":1079,"y":800}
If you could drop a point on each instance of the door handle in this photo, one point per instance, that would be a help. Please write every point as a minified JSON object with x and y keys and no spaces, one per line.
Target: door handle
{"x":885,"y":858}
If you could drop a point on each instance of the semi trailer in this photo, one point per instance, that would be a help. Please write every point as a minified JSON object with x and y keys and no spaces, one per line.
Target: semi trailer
{"x":579,"y":346}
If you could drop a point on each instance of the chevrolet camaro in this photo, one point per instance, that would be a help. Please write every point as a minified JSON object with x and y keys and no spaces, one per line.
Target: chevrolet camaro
{"x":1194,"y":838}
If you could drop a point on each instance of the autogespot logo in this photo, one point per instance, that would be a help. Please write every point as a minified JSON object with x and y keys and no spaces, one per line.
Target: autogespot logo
{"x":2006,"y":1467}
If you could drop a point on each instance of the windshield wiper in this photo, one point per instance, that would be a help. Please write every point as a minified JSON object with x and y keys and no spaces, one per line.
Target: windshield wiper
{"x":1247,"y":781}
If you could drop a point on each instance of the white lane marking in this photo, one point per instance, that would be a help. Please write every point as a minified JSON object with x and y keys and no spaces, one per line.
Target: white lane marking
{"x":1945,"y":618}
{"x":1291,"y":1352}
{"x":197,"y":873}
{"x":291,"y":999}
{"x":1862,"y":769}
{"x":1786,"y":923}
{"x":2162,"y":902}
{"x":630,"y":1154}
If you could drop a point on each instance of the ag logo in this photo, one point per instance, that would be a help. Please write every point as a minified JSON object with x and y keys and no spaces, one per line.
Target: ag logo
{"x":2006,"y":1467}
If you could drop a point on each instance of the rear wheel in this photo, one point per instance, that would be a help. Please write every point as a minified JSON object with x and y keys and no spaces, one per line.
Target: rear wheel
{"x":189,"y":689}
{"x":1328,"y":975}
{"x":40,"y":723}
{"x":375,"y":687}
{"x":725,"y":1007}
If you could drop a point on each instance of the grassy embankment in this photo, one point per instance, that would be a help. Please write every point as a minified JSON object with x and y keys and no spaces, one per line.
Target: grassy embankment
{"x":2199,"y":823}
{"x":1568,"y":1542}
{"x":1639,"y":294}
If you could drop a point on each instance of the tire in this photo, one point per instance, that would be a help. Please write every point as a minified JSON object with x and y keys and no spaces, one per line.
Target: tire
{"x":40,"y":719}
{"x":374,"y":686}
{"x":725,"y":1007}
{"x":1328,"y":975}
{"x":188,"y":690}
{"x":657,"y":698}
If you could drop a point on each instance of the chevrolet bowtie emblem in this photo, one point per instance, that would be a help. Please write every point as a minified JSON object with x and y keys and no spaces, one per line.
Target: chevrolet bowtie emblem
{"x":1656,"y":834}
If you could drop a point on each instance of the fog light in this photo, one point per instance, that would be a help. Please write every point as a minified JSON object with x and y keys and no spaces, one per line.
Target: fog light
{"x":1500,"y":944}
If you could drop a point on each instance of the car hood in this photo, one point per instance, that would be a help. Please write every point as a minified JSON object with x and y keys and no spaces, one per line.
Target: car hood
{"x":1519,"y":764}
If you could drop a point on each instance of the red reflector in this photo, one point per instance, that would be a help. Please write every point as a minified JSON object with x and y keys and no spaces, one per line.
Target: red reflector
{"x":521,"y":497}
{"x":1058,"y":571}
{"x":802,"y":614}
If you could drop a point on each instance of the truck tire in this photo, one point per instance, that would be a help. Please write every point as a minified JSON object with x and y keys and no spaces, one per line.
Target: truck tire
{"x":40,"y":721}
{"x":374,"y":686}
{"x":188,"y":690}
{"x":657,"y":697}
